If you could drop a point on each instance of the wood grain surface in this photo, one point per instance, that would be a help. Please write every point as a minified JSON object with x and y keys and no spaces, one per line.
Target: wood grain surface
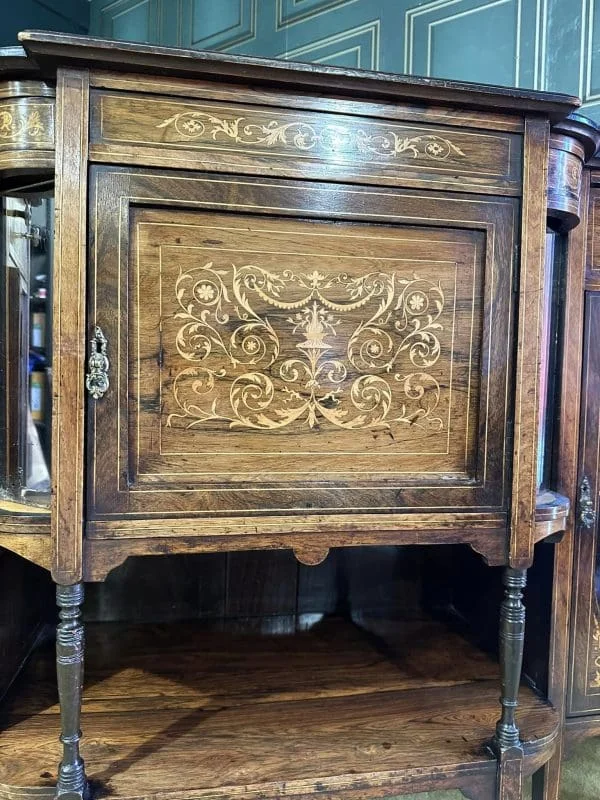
{"x":169,"y":132}
{"x":529,"y":343}
{"x":561,"y":581}
{"x":230,"y":91}
{"x":584,"y":655}
{"x":369,"y":710}
{"x":151,"y":454}
{"x":68,"y":337}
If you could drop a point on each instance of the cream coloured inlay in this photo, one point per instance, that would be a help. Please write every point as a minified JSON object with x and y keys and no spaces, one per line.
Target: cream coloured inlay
{"x":595,"y":650}
{"x":125,"y":197}
{"x":595,"y":681}
{"x":389,"y":350}
{"x":191,"y":125}
{"x":29,"y":122}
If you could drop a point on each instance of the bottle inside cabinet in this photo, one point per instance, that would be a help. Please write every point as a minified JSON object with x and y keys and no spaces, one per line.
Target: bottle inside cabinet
{"x":26,"y":355}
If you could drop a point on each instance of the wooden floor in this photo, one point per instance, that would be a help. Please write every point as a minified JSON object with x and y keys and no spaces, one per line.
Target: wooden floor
{"x":186,"y":711}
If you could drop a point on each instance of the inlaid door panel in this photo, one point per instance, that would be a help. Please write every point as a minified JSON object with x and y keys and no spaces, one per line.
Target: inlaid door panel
{"x":584,"y":673}
{"x":297,"y":348}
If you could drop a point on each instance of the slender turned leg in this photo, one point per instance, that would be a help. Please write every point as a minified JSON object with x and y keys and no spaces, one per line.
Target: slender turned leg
{"x":506,"y":742}
{"x":69,"y":667}
{"x":512,"y":638}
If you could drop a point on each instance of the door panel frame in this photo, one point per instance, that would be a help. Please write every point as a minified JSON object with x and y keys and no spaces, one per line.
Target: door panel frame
{"x":114,"y":190}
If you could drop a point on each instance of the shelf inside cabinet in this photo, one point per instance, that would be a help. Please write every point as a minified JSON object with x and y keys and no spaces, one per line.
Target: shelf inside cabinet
{"x":25,"y":530}
{"x":202,"y":710}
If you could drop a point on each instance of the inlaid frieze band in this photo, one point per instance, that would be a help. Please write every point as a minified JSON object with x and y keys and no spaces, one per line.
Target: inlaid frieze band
{"x":239,"y":134}
{"x":594,"y":656}
{"x":27,"y":122}
{"x":195,"y":125}
{"x":26,"y":137}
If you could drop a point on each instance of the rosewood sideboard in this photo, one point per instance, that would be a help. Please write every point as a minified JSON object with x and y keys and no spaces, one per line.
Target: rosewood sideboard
{"x":293,"y":309}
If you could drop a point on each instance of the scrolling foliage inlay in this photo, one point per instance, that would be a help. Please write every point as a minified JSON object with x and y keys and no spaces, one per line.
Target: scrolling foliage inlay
{"x":594,"y":654}
{"x":595,"y":670}
{"x":192,"y":125}
{"x":16,"y":122}
{"x":269,"y":349}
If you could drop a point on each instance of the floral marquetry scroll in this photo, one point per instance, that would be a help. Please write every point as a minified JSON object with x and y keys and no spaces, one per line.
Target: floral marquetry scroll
{"x":285,"y":346}
{"x":14,"y":124}
{"x":594,"y":645}
{"x":248,"y":136}
{"x":26,"y":132}
{"x":594,"y":680}
{"x":297,"y":346}
{"x":348,"y":351}
{"x":27,"y":121}
{"x":194,"y":125}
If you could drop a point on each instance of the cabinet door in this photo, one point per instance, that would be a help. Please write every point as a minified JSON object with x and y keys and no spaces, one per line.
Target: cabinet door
{"x":296,"y":348}
{"x":584,"y":673}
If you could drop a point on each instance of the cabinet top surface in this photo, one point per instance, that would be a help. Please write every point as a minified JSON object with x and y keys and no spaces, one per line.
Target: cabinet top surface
{"x":44,"y":52}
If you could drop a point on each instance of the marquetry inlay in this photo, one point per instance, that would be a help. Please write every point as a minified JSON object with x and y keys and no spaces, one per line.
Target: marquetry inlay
{"x":26,"y":123}
{"x":594,"y":680}
{"x":279,"y":346}
{"x":295,"y":345}
{"x":276,"y":348}
{"x":236,"y":135}
{"x":193,"y":125}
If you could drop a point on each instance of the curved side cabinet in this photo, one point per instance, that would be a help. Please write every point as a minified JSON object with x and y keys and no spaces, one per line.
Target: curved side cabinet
{"x":26,"y":134}
{"x":573,"y":141}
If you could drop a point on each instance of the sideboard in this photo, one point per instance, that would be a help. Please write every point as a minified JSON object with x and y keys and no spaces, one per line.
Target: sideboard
{"x":293,"y":309}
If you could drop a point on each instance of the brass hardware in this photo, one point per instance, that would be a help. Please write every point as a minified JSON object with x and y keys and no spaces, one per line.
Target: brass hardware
{"x":587,"y":513}
{"x":96,"y":380}
{"x":35,"y":235}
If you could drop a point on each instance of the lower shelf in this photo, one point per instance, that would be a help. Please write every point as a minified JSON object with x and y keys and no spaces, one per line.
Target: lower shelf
{"x":184,"y":710}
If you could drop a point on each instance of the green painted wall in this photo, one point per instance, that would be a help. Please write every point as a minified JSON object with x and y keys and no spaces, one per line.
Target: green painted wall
{"x":50,"y":15}
{"x":544,"y":44}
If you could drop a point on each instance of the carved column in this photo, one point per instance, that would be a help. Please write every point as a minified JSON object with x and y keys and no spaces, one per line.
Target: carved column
{"x":506,"y":742}
{"x":69,"y":665}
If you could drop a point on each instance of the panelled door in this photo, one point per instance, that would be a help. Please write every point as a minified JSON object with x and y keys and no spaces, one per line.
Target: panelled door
{"x":584,"y":666}
{"x":282,"y":346}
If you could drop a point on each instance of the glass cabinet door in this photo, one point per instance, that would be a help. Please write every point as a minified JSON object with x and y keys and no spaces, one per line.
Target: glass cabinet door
{"x":550,"y":371}
{"x":25,"y":348}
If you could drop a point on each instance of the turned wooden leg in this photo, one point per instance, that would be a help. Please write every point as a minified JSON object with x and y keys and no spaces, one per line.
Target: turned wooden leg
{"x":71,"y":783}
{"x":506,"y":742}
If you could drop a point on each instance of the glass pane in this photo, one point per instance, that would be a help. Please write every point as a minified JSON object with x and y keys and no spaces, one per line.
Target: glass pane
{"x":25,"y":349}
{"x":550,"y":372}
